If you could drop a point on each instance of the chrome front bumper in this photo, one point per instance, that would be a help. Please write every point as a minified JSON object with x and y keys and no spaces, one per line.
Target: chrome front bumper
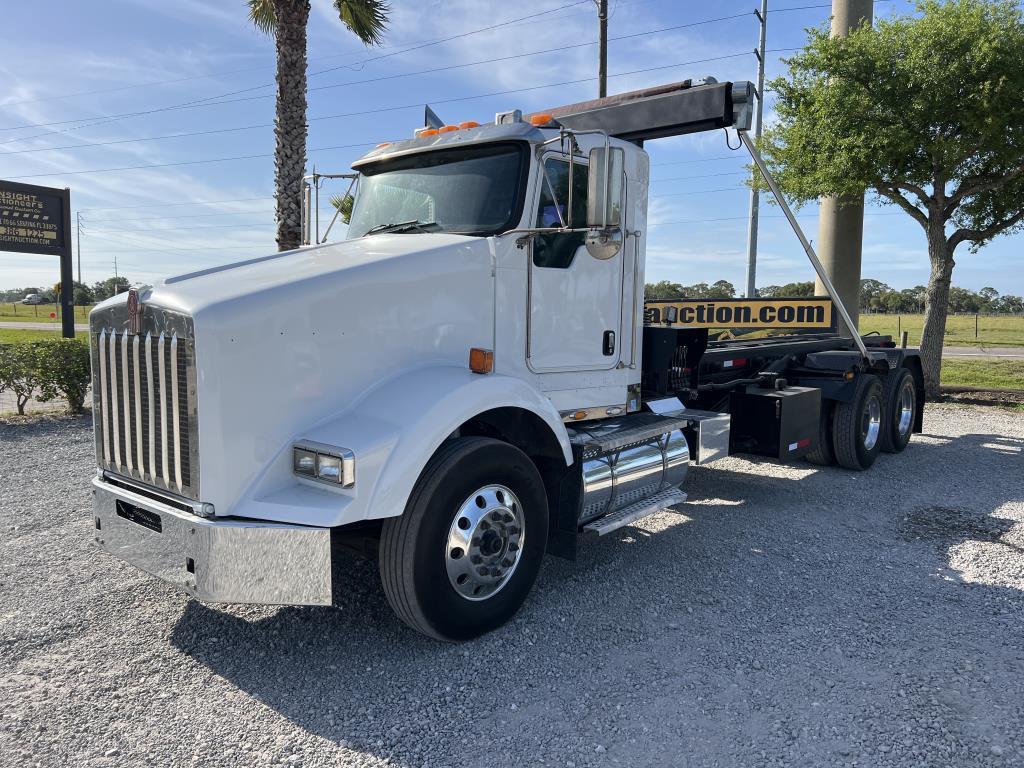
{"x":217,"y":561}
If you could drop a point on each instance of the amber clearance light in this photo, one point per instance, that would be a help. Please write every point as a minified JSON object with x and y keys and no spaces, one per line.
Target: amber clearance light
{"x":481,"y":360}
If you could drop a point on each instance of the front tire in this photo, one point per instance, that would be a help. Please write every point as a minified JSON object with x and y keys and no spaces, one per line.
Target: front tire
{"x":463,"y":557}
{"x":858,"y":424}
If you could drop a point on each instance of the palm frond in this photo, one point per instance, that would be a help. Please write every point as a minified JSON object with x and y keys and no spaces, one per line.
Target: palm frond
{"x":343,"y":204}
{"x":368,"y":19}
{"x":261,"y":14}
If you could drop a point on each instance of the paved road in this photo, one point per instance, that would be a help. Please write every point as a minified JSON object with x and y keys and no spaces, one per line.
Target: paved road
{"x":1011,"y":353}
{"x":41,"y":326}
{"x":784,"y":616}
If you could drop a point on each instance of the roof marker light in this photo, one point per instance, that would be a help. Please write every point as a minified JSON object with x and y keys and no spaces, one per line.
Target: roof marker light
{"x":447,"y":128}
{"x":469,"y":124}
{"x":421,"y":132}
{"x":383,"y":144}
{"x":541,"y":119}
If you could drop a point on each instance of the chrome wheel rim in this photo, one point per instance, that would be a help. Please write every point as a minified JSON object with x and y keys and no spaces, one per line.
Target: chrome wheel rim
{"x":485,"y":542}
{"x":871,"y":422}
{"x":906,"y":408}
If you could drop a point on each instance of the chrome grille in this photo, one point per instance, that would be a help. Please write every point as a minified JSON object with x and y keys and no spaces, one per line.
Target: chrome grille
{"x":144,"y":398}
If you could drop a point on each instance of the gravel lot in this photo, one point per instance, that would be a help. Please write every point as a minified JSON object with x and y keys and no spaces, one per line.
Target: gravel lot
{"x":766,"y":623}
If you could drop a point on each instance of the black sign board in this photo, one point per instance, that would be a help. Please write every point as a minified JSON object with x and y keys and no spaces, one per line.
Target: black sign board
{"x":38,"y":220}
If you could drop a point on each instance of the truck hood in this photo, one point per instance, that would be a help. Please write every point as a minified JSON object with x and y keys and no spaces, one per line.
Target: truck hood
{"x":285,"y":342}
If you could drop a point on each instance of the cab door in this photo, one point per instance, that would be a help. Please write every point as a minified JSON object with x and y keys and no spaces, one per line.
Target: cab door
{"x":575,"y":300}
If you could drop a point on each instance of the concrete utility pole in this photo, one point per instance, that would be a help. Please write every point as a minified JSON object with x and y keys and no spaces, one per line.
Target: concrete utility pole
{"x":78,"y":243}
{"x":755,"y":195}
{"x":602,"y":65}
{"x":841,"y":220}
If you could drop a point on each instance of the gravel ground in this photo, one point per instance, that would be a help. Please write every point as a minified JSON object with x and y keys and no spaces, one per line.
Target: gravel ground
{"x":764,"y":623}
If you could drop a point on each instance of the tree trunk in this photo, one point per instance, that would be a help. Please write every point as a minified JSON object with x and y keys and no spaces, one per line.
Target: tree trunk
{"x":290,"y":122}
{"x":936,"y":307}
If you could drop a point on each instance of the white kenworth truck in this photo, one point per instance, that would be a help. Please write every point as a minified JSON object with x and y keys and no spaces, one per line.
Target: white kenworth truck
{"x":469,"y":381}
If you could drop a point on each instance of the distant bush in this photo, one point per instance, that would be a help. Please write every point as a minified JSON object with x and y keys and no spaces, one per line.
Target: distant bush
{"x":49,"y":369}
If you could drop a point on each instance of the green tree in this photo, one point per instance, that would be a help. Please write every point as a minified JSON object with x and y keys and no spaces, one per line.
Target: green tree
{"x":112,"y":286}
{"x":663,"y":290}
{"x":925,"y":111}
{"x":83,"y":295}
{"x":287,"y":20}
{"x":787,"y":291}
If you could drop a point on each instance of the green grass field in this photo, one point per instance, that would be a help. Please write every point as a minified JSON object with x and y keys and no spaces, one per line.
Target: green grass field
{"x":39,"y":313}
{"x":994,"y":374}
{"x":993,"y":330}
{"x":15,"y":335}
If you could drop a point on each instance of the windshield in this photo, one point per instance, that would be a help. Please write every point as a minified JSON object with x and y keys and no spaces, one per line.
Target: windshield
{"x":472,"y":191}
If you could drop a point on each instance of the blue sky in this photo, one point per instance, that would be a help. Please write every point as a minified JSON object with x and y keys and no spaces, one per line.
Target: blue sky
{"x":70,"y":68}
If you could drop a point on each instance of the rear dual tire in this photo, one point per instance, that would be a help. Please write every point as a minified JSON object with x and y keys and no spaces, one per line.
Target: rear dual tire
{"x":900,"y":398}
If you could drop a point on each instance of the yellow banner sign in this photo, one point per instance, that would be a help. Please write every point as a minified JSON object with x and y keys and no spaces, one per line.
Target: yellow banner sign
{"x":816,"y":312}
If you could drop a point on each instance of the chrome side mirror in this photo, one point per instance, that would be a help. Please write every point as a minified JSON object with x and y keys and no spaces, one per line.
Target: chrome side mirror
{"x":604,"y":193}
{"x":604,"y":202}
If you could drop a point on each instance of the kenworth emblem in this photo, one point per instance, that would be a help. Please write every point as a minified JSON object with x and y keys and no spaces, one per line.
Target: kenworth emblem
{"x":134,"y":316}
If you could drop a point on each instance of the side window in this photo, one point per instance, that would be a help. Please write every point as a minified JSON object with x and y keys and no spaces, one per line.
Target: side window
{"x":556,"y":249}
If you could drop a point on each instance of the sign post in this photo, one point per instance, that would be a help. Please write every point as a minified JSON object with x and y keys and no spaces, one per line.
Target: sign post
{"x":38,"y":220}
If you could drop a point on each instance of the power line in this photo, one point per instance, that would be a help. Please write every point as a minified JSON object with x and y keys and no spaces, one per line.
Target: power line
{"x":432,"y":71}
{"x":418,"y":104}
{"x":112,"y":118}
{"x":253,"y":212}
{"x":702,"y":176}
{"x":178,"y":203}
{"x":168,"y":205}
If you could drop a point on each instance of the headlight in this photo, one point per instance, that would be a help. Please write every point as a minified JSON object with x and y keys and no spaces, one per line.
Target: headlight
{"x":326,"y":463}
{"x":328,"y":468}
{"x":304,"y":462}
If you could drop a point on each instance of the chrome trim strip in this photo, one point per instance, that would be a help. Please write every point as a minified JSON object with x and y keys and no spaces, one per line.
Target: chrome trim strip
{"x":115,"y":420}
{"x":163,"y":409}
{"x":104,"y":399}
{"x":138,"y":406}
{"x":127,"y":404}
{"x":149,"y":401}
{"x":177,"y":412}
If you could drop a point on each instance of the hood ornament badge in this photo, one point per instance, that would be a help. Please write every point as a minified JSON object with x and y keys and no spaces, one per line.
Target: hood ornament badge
{"x":134,"y":313}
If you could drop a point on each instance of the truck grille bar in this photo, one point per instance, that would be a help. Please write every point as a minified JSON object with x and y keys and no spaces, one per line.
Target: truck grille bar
{"x":144,"y":394}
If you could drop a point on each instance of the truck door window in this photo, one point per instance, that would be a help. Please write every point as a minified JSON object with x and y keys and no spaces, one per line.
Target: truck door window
{"x":556,"y":249}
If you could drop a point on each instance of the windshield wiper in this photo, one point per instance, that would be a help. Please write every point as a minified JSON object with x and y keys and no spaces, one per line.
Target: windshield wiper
{"x":404,"y":226}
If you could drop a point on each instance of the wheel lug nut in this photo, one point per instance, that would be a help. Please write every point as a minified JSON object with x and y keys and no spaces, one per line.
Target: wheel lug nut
{"x":507,"y":562}
{"x":484,"y":525}
{"x":483,"y":570}
{"x":513,"y":547}
{"x":476,"y":559}
{"x":513,"y":531}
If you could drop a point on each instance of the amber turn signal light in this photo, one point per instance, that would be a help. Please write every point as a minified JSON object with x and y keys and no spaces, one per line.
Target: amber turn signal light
{"x":481,"y":360}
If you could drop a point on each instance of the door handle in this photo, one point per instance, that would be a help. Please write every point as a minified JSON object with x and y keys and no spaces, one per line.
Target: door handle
{"x":608,"y":345}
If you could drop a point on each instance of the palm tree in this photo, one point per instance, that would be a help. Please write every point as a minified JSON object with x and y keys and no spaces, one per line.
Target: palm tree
{"x":286,"y":20}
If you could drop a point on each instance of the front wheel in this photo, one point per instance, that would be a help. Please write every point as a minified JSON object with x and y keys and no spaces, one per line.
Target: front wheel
{"x":463,"y":557}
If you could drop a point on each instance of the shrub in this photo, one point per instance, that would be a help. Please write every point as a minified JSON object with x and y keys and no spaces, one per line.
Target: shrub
{"x":20,"y":372}
{"x":52,"y":368}
{"x":64,"y":369}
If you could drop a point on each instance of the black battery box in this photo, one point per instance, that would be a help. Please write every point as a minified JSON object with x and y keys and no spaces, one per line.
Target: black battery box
{"x":782,"y":424}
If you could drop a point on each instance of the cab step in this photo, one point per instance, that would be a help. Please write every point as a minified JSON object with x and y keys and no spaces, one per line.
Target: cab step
{"x":649,"y":506}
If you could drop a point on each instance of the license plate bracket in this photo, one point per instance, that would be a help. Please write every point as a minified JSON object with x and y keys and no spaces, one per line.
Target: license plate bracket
{"x":139,"y":516}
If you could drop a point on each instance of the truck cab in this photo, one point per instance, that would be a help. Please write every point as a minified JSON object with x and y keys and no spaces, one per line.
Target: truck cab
{"x":461,"y":386}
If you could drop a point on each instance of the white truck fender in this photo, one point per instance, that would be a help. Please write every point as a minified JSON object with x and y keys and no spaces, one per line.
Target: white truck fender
{"x":396,"y":427}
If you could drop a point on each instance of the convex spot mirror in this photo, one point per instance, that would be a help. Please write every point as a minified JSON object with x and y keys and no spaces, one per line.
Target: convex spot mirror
{"x":604,"y":202}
